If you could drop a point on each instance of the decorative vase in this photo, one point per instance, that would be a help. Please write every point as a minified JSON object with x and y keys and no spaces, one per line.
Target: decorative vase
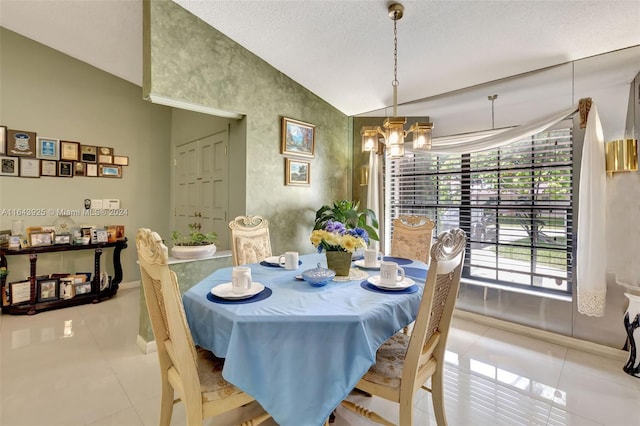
{"x":632,"y":326}
{"x":340,"y":262}
{"x":193,"y":252}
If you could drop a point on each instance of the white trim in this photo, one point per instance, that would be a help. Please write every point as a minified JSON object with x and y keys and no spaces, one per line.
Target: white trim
{"x":190,"y":106}
{"x":146,"y":347}
{"x":547,"y":336}
{"x":129,"y":284}
{"x":514,"y":289}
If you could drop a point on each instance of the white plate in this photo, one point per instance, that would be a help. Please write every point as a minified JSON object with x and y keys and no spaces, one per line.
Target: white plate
{"x":224,"y":291}
{"x":360,"y":264}
{"x":274,"y":260}
{"x":375,"y":280}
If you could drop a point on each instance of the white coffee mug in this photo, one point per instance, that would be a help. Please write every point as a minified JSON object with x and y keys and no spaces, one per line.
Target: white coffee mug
{"x":372,"y":257}
{"x":240,"y":279}
{"x":289,"y":260}
{"x":389,"y":273}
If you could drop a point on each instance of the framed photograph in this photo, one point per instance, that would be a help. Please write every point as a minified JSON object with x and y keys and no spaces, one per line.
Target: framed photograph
{"x":92,"y":170}
{"x":20,"y":292}
{"x":29,"y":167}
{"x":47,"y":289}
{"x":69,"y":151}
{"x":65,"y":168}
{"x":14,"y":242}
{"x":109,"y":171}
{"x":4,"y":238}
{"x":9,"y":166}
{"x":21,"y":143}
{"x":48,"y":168}
{"x":47,"y":148}
{"x":89,"y":153}
{"x":297,"y":172}
{"x":79,"y":168}
{"x":120,"y":160}
{"x":3,"y":139}
{"x":41,"y":239}
{"x":62,"y":239}
{"x":105,"y":155}
{"x":298,"y":138}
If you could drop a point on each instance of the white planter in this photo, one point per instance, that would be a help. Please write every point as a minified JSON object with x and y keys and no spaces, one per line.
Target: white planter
{"x":193,"y":252}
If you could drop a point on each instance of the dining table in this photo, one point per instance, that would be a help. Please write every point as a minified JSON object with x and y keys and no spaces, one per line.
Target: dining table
{"x":297,"y":349}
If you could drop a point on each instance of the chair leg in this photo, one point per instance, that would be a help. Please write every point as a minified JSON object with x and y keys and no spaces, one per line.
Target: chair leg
{"x":371,"y":415}
{"x":166,"y":405}
{"x":256,"y":420}
{"x":437,"y":395}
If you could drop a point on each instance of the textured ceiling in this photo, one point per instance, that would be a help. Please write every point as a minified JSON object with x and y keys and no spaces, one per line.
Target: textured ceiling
{"x":343,"y":50}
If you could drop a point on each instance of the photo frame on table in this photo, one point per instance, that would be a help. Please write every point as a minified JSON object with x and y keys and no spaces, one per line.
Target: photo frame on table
{"x":20,"y":292}
{"x":121,"y":160}
{"x":48,"y":168}
{"x":21,"y":143}
{"x":298,"y":138}
{"x":41,"y":239}
{"x":69,"y":151}
{"x":47,"y":289}
{"x":9,"y":166}
{"x":297,"y":172}
{"x":4,"y":238}
{"x":29,"y":167}
{"x":89,"y":153}
{"x":65,"y":168}
{"x":108,"y":170}
{"x":3,"y":139}
{"x":62,"y":239}
{"x":47,"y":148}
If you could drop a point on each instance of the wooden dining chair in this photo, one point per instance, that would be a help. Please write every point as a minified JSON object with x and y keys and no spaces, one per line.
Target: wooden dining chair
{"x":192,"y":374}
{"x":411,"y":238}
{"x":250,"y":242}
{"x":404,"y":363}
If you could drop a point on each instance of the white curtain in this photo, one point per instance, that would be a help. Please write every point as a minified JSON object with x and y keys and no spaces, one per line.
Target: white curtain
{"x":591,"y":255}
{"x":591,"y":252}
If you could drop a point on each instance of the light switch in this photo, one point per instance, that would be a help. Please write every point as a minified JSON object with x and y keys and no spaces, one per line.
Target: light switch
{"x":110,"y":203}
{"x":96,"y":204}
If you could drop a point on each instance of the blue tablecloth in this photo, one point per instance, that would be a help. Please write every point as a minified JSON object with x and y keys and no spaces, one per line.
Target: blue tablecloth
{"x":300,"y":351}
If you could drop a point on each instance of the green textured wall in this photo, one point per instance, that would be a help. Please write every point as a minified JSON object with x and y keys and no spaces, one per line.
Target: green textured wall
{"x":187,"y":59}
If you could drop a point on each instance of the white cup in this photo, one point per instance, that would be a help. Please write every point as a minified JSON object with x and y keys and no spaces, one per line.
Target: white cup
{"x":389,"y":273}
{"x":289,"y":260}
{"x":372,"y":257}
{"x":241,"y":279}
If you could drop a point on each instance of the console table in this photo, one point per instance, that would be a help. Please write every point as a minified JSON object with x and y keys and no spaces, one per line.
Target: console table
{"x":94,"y":296}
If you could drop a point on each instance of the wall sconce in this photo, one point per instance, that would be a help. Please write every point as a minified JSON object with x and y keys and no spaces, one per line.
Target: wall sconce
{"x":622,"y":156}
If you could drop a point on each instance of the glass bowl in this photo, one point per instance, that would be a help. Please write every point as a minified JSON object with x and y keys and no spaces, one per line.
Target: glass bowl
{"x":318,"y":277}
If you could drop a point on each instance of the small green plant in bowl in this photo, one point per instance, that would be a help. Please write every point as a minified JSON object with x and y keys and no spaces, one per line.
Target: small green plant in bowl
{"x":194,"y":237}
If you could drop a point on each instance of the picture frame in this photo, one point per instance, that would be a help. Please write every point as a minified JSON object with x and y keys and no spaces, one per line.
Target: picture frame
{"x":108,"y":170}
{"x":21,"y":143}
{"x":60,"y":239}
{"x":9,"y":166}
{"x":20,"y":292}
{"x":89,"y":153}
{"x":298,"y":138}
{"x":47,"y":289}
{"x":48,"y":168}
{"x":65,"y":168}
{"x":79,"y":168}
{"x":3,"y":139}
{"x":41,"y":239}
{"x":69,"y":151}
{"x":92,"y":170}
{"x":47,"y":148}
{"x":297,"y":172}
{"x":105,"y":155}
{"x":29,"y":167}
{"x":121,"y":160}
{"x":4,"y":238}
{"x":15,"y":242}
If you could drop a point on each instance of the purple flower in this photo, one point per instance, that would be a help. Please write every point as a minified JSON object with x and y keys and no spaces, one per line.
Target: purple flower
{"x":359,"y":232}
{"x":337,"y":227}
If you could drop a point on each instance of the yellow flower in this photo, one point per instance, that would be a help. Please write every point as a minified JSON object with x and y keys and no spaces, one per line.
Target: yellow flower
{"x":350,"y":243}
{"x":317,"y":237}
{"x":332,"y":238}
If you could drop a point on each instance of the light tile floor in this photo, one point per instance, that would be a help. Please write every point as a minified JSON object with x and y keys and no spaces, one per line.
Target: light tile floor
{"x":81,"y":366}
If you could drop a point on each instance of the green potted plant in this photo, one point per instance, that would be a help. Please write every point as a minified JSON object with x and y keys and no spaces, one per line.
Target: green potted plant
{"x":347,"y":212}
{"x":194,"y":245}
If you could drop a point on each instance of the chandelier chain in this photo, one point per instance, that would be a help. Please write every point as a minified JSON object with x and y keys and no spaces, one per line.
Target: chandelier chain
{"x":395,"y":81}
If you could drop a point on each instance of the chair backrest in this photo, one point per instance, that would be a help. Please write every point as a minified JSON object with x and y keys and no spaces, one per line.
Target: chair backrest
{"x":431,"y":329}
{"x":412,"y":237}
{"x":176,"y":350}
{"x":250,"y":242}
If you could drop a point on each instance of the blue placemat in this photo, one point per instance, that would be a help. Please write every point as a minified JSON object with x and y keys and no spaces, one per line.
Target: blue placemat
{"x":275,"y":265}
{"x":415,"y":272}
{"x":370,"y":287}
{"x":258,"y":297}
{"x":398,"y":260}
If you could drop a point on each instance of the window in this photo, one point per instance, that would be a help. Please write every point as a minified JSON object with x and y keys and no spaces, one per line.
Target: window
{"x":515,"y":204}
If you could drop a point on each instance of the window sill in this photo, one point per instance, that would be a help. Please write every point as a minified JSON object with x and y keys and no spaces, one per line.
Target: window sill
{"x":563,"y":298}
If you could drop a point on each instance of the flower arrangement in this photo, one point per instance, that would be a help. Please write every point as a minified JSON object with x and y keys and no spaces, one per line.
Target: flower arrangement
{"x":195,"y":237}
{"x":336,"y":237}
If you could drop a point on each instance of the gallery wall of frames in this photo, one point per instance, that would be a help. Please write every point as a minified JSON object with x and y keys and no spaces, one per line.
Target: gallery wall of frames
{"x":25,"y":154}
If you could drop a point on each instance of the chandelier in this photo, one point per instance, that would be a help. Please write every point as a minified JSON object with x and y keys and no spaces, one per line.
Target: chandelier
{"x":393,"y":127}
